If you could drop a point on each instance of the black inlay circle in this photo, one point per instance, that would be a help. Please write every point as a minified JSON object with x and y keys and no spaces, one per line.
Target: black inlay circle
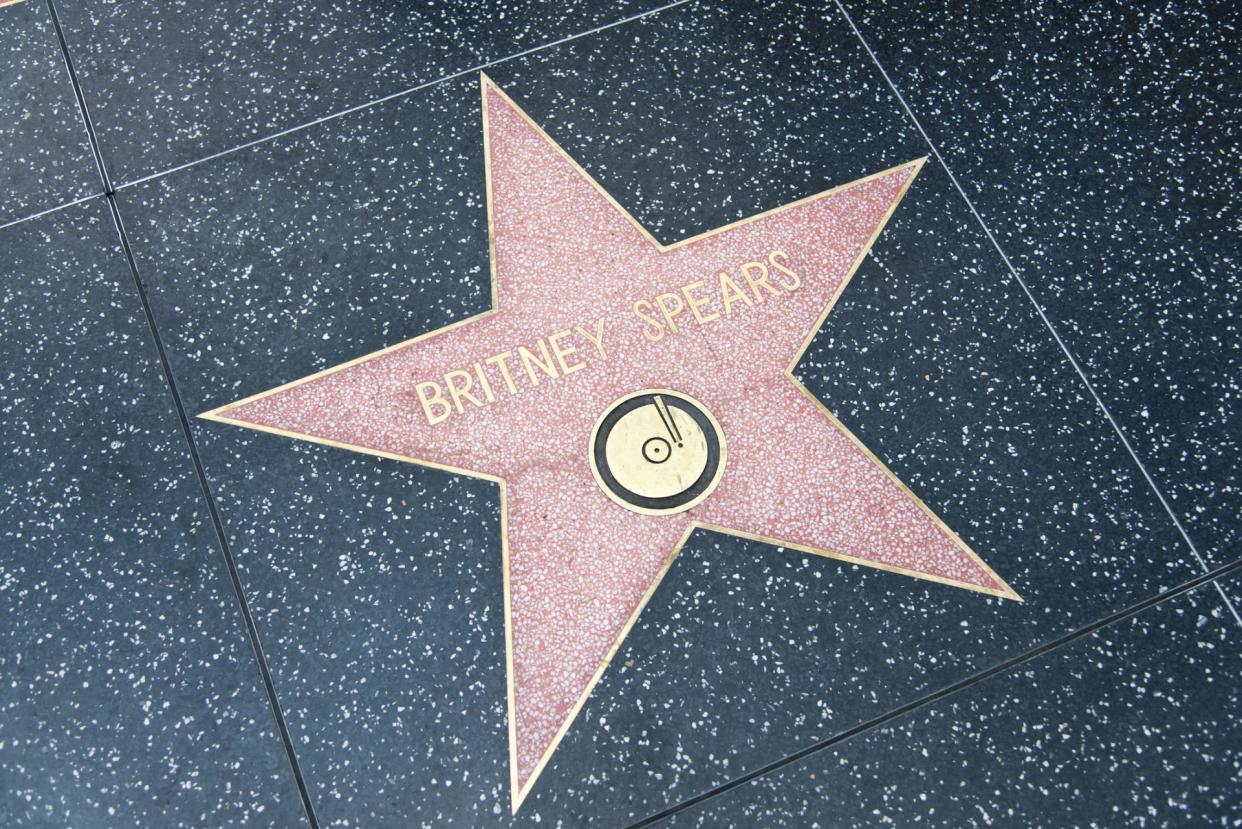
{"x":701,"y":484}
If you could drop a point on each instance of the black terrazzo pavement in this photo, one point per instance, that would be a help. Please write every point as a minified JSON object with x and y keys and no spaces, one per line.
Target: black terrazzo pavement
{"x":1134,"y":725}
{"x":169,"y":83}
{"x":129,"y":695}
{"x":45,"y":159}
{"x":376,"y":586}
{"x":1100,"y":144}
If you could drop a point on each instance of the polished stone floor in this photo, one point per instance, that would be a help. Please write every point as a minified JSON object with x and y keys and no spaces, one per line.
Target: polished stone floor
{"x":208,"y":626}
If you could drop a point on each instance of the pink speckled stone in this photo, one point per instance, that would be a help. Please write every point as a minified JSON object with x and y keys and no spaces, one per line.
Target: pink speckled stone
{"x":580,"y":564}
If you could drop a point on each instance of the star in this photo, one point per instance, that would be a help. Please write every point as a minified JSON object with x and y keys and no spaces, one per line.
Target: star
{"x":587,"y":309}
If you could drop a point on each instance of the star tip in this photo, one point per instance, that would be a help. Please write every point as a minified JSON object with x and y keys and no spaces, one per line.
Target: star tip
{"x":516,"y":796}
{"x":217,"y":415}
{"x":1010,"y":594}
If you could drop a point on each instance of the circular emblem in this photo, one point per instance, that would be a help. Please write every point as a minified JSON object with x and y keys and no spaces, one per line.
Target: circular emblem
{"x":657,"y":452}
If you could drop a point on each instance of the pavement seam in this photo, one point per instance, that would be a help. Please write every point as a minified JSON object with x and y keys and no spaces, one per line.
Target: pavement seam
{"x":50,"y":210}
{"x":402,"y":93}
{"x":331,"y":116}
{"x":251,"y":627}
{"x":1213,"y":576}
{"x":1030,"y":295}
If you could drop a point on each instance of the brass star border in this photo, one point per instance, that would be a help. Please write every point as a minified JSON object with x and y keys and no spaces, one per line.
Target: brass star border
{"x":520,"y":789}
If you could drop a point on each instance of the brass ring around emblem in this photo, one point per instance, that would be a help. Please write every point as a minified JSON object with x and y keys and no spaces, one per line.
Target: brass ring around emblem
{"x":657,"y":452}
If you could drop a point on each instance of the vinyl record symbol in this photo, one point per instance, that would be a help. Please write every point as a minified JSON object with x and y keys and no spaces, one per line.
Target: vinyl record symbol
{"x":657,"y":452}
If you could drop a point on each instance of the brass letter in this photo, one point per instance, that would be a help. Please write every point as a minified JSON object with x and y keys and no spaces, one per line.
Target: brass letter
{"x":528,"y":358}
{"x":731,"y":293}
{"x":755,"y":281}
{"x":562,"y":352}
{"x":458,"y":393}
{"x":485,"y":383}
{"x":656,"y":327}
{"x":696,"y":303}
{"x":499,"y":361}
{"x":598,"y":339}
{"x":436,"y":399}
{"x":795,"y":282}
{"x":668,"y":312}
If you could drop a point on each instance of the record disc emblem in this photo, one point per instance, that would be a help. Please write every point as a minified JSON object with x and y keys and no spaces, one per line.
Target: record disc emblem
{"x":657,"y":452}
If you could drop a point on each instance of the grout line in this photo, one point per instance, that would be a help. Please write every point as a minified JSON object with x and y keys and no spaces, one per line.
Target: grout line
{"x":252,"y":630}
{"x":83,"y":111}
{"x":1039,"y":310}
{"x":1212,"y":576}
{"x":396,"y":95}
{"x":299,"y":127}
{"x":62,"y":206}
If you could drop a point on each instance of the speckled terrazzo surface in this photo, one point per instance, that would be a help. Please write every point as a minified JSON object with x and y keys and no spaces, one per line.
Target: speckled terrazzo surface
{"x":45,"y":159}
{"x":1130,"y":726}
{"x":1096,"y":143}
{"x":129,"y":695}
{"x":1091,"y":145}
{"x":169,"y":83}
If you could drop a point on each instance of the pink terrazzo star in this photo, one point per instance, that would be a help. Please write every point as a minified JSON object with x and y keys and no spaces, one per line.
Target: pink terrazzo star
{"x":568,"y":267}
